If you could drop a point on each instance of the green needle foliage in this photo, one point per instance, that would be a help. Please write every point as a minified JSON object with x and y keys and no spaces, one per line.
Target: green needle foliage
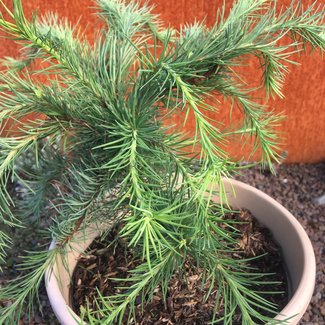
{"x":103,"y":151}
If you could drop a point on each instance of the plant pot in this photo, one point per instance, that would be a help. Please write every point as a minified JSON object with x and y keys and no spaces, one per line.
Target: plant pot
{"x":288,"y":233}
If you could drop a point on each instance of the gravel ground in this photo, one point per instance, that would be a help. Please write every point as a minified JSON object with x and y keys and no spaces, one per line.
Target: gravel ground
{"x":299,"y":187}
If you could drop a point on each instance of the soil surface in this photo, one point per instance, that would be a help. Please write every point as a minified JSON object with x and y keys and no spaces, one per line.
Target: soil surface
{"x":299,"y":187}
{"x":185,"y":303}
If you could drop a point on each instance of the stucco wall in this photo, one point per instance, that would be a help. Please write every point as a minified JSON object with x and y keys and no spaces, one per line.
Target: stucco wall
{"x":304,"y":104}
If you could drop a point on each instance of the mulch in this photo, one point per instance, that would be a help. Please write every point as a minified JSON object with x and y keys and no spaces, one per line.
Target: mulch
{"x":185,"y":301}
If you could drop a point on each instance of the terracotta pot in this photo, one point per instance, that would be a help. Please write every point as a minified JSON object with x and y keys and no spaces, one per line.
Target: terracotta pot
{"x":296,"y":246}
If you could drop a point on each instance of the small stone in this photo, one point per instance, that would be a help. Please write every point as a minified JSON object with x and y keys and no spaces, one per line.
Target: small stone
{"x":322,"y":309}
{"x":38,"y":319}
{"x":321,"y":200}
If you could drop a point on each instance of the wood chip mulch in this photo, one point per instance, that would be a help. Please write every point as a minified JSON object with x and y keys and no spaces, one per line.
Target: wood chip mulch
{"x":185,"y":303}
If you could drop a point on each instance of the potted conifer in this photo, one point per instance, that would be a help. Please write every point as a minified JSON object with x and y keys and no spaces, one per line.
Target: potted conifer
{"x":104,"y":156}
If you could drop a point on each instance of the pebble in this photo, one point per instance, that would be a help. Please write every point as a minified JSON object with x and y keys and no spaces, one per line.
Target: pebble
{"x":321,"y":200}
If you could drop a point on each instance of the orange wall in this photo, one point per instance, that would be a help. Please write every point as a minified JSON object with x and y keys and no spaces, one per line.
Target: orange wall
{"x":304,"y":104}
